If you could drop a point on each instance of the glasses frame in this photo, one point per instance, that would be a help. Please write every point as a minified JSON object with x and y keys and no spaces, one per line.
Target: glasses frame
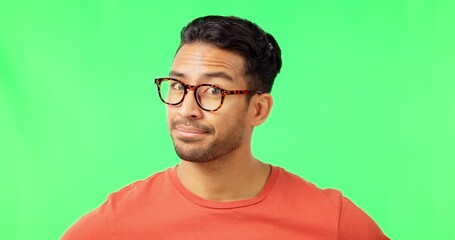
{"x":188,"y":87}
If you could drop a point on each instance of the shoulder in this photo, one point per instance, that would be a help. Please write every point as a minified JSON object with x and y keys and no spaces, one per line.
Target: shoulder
{"x":354,"y":223}
{"x":97,"y":223}
{"x":292,"y":183}
{"x":140,"y":187}
{"x":351,"y":221}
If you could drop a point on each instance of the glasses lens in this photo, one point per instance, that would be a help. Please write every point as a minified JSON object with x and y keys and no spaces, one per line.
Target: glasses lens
{"x":209,"y":97}
{"x":171,"y":91}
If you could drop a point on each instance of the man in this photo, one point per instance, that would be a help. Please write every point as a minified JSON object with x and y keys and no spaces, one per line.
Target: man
{"x":217,"y":92}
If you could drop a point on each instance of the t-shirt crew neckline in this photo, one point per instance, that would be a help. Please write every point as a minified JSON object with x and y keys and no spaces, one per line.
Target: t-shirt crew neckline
{"x":224,"y":205}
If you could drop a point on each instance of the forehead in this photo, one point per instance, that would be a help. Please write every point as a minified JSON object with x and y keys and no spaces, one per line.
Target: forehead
{"x":197,"y":60}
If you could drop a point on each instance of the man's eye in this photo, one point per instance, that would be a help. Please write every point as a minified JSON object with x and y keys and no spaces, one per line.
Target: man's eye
{"x":177,"y":86}
{"x":213,"y":91}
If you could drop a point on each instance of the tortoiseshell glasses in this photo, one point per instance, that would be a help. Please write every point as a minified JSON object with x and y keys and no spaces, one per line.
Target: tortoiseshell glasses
{"x":209,"y":97}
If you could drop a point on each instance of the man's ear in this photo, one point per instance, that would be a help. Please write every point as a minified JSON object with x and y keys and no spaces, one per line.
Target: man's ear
{"x":260,"y":107}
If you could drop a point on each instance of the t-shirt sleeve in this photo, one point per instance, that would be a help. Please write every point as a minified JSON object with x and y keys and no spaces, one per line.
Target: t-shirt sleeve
{"x":355,"y":224}
{"x":94,"y":225}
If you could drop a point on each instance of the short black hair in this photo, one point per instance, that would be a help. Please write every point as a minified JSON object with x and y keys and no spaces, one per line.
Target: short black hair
{"x":259,"y":48}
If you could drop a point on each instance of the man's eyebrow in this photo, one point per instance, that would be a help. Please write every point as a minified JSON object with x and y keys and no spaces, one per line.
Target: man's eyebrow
{"x":208,"y":75}
{"x":176,"y":74}
{"x":219,"y":75}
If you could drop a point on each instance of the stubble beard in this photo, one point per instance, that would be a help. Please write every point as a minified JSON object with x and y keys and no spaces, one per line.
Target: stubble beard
{"x":215,"y":149}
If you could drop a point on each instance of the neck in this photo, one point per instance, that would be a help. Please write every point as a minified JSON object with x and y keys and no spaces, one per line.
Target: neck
{"x":236,"y":176}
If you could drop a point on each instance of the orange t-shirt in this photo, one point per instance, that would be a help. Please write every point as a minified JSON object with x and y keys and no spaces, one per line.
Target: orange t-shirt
{"x":288,"y":207}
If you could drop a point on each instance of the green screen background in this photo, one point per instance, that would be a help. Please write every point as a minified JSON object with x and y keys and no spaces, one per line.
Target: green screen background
{"x":364,"y":103}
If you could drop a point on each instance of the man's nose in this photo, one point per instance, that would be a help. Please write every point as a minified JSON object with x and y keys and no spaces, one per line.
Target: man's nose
{"x":189,"y":107}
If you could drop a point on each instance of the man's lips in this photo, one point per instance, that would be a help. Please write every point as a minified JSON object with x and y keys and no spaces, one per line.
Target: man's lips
{"x":183,"y":131}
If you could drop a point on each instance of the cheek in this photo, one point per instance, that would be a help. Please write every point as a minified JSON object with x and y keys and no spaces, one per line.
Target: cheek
{"x":234,"y":109}
{"x":223,"y":123}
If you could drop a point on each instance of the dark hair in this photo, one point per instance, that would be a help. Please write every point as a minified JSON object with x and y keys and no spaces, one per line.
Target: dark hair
{"x":259,"y":48}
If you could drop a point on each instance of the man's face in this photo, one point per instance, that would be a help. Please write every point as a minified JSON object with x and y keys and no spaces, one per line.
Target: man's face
{"x":198,"y":135}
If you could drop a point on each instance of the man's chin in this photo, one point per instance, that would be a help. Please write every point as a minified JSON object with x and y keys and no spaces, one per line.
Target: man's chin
{"x":197,"y":160}
{"x":191,"y":156}
{"x":194,"y":152}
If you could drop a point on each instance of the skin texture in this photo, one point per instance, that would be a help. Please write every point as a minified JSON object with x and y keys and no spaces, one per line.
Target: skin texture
{"x":215,"y":147}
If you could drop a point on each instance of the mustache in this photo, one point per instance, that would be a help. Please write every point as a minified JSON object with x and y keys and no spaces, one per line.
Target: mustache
{"x":192,"y":123}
